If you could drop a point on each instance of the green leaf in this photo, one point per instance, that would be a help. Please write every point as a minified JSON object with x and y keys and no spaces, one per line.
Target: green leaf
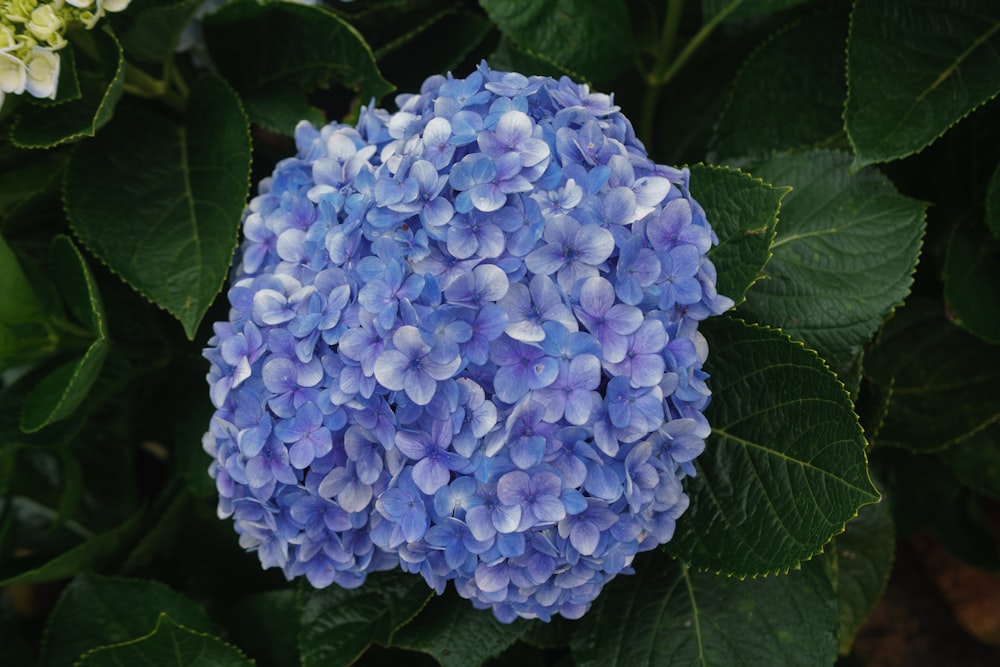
{"x":666,"y":614}
{"x":443,"y":40}
{"x":77,"y":285}
{"x":62,"y":391}
{"x":338,"y":624}
{"x":739,"y":9}
{"x":916,"y":69}
{"x":918,"y":488}
{"x":12,"y":399}
{"x":457,"y":635}
{"x":94,"y":611}
{"x":976,"y":461}
{"x":509,"y":57}
{"x":844,"y":256}
{"x":170,"y":229}
{"x":993,"y":204}
{"x":743,"y":212}
{"x":95,"y":553}
{"x":266,"y":627}
{"x":101,"y":74}
{"x":23,"y":183}
{"x":151,"y":29}
{"x":864,"y":555}
{"x":593,"y":39}
{"x":789,"y":94}
{"x":259,"y":46}
{"x":943,"y":380}
{"x":169,"y":644}
{"x":280,"y":107}
{"x":967,"y":534}
{"x":18,"y":302}
{"x":972,"y":279}
{"x":784,"y":469}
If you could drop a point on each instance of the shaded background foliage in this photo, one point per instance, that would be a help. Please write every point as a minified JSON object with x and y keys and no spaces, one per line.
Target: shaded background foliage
{"x":847,"y":155}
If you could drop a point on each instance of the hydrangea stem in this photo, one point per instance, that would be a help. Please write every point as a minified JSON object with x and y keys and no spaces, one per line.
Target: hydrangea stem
{"x":666,"y":67}
{"x":141,"y":84}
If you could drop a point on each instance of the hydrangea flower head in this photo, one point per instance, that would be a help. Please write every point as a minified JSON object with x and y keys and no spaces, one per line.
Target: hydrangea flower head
{"x":464,"y":342}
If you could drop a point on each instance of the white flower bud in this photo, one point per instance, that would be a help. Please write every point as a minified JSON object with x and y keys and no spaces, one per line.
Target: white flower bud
{"x":43,"y":72}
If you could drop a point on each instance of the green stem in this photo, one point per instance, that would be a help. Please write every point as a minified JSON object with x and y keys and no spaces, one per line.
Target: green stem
{"x":668,"y":37}
{"x":696,"y":42}
{"x":173,"y":75}
{"x":666,"y":68}
{"x":141,"y":84}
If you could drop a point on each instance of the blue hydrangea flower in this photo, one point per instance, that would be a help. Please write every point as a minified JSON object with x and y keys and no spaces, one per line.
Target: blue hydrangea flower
{"x":463,"y":341}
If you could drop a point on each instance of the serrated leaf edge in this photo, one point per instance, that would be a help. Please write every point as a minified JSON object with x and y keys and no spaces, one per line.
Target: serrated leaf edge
{"x":920,"y":241}
{"x":159,"y":623}
{"x":44,"y":643}
{"x":781,"y":570}
{"x":113,"y":90}
{"x":65,"y":185}
{"x":861,"y":162}
{"x":783,"y":191}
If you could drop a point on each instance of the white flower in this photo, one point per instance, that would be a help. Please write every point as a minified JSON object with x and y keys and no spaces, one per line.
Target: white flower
{"x":43,"y":72}
{"x":45,"y":24}
{"x":115,"y":5}
{"x":13,"y":74}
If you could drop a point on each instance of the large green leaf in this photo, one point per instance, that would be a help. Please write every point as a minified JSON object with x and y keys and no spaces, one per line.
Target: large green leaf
{"x":593,"y":39}
{"x":457,"y":635}
{"x":915,"y":69}
{"x":280,"y":107}
{"x":266,"y":626}
{"x":170,"y":229}
{"x":150,"y":29}
{"x":76,"y":285}
{"x":462,"y":30}
{"x":101,"y":75}
{"x":844,"y":256}
{"x":918,"y":488}
{"x":784,"y":468}
{"x":743,"y":212}
{"x":972,"y":279}
{"x":789,"y":94}
{"x":18,"y":302}
{"x":943,"y":382}
{"x":338,"y":624}
{"x":60,"y":393}
{"x":666,"y":614}
{"x":95,"y":611}
{"x":31,"y":178}
{"x":864,"y":555}
{"x":993,"y":204}
{"x":743,"y":8}
{"x":25,"y":335}
{"x":976,"y":461}
{"x":168,"y":645}
{"x":259,"y":46}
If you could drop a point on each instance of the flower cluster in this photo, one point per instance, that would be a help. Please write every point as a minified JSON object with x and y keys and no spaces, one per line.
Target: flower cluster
{"x":463,"y":341}
{"x":31,"y":32}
